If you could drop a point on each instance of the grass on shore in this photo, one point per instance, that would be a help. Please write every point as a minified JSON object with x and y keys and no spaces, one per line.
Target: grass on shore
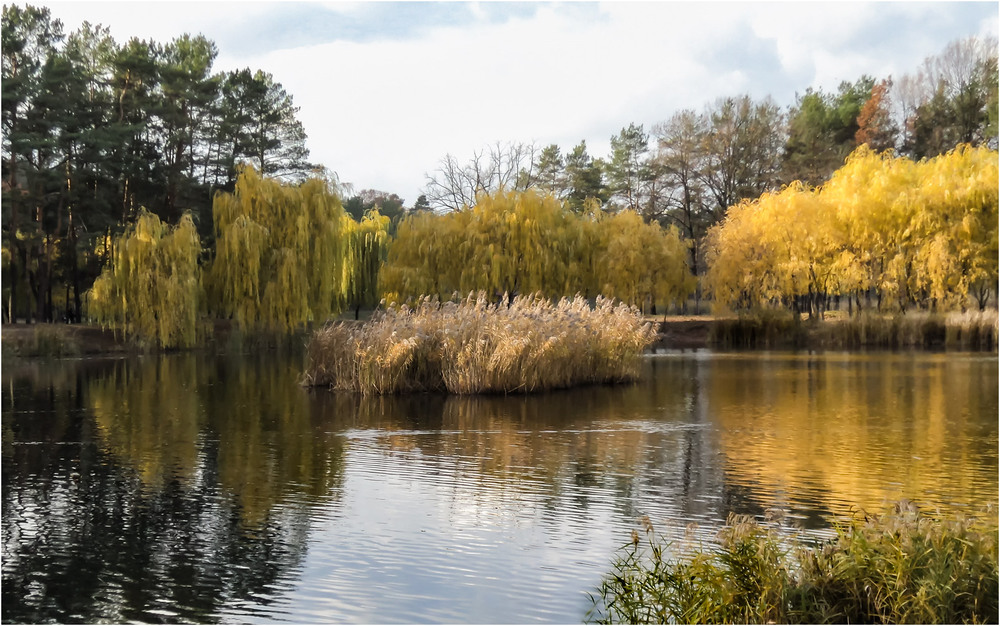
{"x":900,"y":567}
{"x":474,"y":346}
{"x":41,"y":340}
{"x":969,"y":330}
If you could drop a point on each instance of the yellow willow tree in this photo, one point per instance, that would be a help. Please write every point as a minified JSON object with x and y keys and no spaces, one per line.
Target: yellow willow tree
{"x":643,"y":264}
{"x":519,"y":242}
{"x":743,"y":257}
{"x":876,"y":200}
{"x":526,"y":243}
{"x":368,"y":244}
{"x":424,"y":258}
{"x":281,"y":257}
{"x":152,"y":288}
{"x":959,"y":199}
{"x":911,"y":233}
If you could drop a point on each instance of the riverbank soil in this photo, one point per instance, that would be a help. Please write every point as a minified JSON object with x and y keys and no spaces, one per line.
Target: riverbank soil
{"x":684,"y":331}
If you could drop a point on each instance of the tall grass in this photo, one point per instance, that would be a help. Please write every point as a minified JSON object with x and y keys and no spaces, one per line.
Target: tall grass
{"x":44,"y":340}
{"x":970,"y":330}
{"x":475,"y":346}
{"x":763,"y":328}
{"x":900,"y":567}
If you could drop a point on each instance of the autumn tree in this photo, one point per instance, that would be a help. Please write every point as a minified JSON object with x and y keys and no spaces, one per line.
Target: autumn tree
{"x":875,"y":124}
{"x":367,"y":248}
{"x":526,"y":242}
{"x":643,"y":264}
{"x":902,"y":233}
{"x":152,"y":288}
{"x":281,"y":254}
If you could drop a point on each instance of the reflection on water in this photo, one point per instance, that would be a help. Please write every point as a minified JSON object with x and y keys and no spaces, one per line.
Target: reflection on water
{"x":194,"y":488}
{"x":843,"y":430}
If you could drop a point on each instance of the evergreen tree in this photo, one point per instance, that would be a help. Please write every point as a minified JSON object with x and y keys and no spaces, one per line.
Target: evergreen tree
{"x":584,"y":179}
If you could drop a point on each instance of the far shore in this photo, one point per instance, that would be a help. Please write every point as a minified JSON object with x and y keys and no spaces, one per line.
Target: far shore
{"x":682,"y":332}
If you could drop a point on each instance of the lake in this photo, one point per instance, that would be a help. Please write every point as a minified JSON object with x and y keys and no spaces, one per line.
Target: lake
{"x":197,"y":488}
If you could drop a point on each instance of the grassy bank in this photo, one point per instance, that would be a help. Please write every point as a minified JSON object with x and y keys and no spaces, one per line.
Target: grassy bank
{"x":44,"y":340}
{"x":900,"y":567}
{"x":971,"y":330}
{"x":473,"y":346}
{"x":57,"y":340}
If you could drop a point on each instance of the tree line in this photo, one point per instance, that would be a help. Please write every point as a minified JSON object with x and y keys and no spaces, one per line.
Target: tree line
{"x":886,"y":233}
{"x":95,"y":131}
{"x":123,"y":161}
{"x":688,"y":170}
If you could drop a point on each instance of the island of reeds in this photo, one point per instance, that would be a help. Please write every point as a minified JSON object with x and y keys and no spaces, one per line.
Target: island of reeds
{"x":518,"y":345}
{"x":900,"y":567}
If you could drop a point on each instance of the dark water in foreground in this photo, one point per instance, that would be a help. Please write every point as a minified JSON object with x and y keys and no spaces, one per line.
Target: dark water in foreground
{"x":191,"y":488}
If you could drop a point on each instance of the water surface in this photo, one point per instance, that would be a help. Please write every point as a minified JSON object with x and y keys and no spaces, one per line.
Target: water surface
{"x":215,"y":489}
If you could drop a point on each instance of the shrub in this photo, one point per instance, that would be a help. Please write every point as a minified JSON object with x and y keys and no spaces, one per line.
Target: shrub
{"x":900,"y":567}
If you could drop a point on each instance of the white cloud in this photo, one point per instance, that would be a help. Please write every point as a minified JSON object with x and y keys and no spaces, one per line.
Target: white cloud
{"x":160,"y":21}
{"x":382,"y":111}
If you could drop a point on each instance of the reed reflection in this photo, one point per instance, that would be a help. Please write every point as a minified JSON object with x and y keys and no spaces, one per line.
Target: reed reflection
{"x":600,"y":446}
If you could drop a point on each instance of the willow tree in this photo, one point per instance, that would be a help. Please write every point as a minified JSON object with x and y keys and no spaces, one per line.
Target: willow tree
{"x":525,"y":242}
{"x":152,"y":288}
{"x":518,"y":242}
{"x":423,"y":258}
{"x":368,"y":246}
{"x":643,"y":264}
{"x":281,"y":254}
{"x":908,"y":233}
{"x":779,"y":249}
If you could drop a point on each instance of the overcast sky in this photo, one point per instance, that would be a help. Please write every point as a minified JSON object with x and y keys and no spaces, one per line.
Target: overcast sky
{"x":387,"y":89}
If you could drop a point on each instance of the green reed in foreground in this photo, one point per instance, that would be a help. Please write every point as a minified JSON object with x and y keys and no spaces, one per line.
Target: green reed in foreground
{"x":901,"y":567}
{"x":473,"y":346}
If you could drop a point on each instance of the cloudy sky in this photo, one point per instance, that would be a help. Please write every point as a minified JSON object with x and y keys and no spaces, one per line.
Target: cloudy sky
{"x":387,"y":89}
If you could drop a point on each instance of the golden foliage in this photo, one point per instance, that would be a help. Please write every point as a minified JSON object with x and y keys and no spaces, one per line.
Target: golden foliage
{"x":281,"y":254}
{"x":368,"y":244}
{"x":525,"y":242}
{"x":152,"y":289}
{"x":915,"y":232}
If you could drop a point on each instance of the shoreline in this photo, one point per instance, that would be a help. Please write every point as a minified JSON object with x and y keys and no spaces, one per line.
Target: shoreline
{"x":682,"y":332}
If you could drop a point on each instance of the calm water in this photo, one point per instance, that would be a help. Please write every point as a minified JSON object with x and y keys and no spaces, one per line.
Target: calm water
{"x":195,"y":488}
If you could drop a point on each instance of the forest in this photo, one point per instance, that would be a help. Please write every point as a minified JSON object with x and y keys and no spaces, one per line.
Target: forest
{"x":144,"y":190}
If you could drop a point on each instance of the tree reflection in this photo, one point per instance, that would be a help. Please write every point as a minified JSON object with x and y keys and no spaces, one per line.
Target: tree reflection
{"x":831,"y":432}
{"x":186,"y":488}
{"x":159,"y":508}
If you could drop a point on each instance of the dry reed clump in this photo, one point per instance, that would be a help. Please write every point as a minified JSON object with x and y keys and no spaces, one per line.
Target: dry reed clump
{"x":973,"y":330}
{"x":970,"y":330}
{"x":474,"y":346}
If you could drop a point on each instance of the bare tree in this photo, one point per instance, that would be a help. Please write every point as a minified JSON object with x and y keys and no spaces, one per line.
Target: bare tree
{"x":680,"y":160}
{"x":453,"y":185}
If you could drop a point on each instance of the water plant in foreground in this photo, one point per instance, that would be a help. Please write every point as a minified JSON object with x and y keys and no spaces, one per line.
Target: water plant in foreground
{"x":899,"y":567}
{"x":474,"y":346}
